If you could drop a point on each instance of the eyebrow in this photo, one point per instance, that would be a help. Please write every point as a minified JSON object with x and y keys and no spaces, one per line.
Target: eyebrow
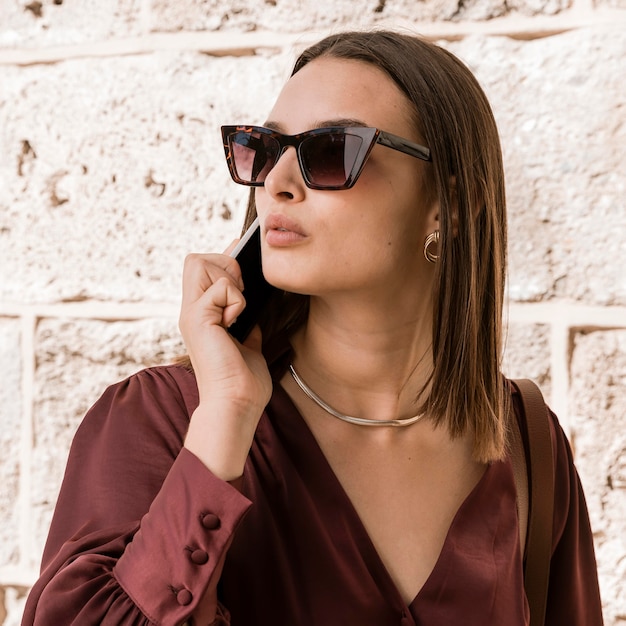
{"x":343,"y":122}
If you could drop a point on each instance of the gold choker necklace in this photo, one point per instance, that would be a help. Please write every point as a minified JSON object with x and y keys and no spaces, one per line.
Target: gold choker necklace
{"x":359,"y":421}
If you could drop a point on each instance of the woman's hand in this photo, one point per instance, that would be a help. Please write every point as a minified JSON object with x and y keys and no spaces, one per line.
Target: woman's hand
{"x":233,"y":380}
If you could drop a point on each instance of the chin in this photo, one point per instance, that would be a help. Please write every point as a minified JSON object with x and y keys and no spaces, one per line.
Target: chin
{"x":284,"y":283}
{"x":290,"y":279}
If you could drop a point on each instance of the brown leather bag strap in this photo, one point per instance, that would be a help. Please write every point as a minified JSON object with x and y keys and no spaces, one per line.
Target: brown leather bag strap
{"x":541,"y":495}
{"x":517,"y":453}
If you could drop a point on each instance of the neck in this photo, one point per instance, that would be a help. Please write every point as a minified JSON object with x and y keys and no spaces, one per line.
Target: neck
{"x":368,"y":361}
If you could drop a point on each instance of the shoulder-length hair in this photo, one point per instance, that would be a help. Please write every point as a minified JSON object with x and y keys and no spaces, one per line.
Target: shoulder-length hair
{"x":453,"y":116}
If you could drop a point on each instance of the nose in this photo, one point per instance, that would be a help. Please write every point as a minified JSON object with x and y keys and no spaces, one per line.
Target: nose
{"x":285,"y":178}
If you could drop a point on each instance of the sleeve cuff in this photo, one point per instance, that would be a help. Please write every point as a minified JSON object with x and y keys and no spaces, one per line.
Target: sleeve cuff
{"x":173,"y":564}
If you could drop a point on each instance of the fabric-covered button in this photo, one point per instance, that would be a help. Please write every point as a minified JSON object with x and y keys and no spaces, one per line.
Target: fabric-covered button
{"x":199,"y":557}
{"x":184,"y":597}
{"x":210,"y":521}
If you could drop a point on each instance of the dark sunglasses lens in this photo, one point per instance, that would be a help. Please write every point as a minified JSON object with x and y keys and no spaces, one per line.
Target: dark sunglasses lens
{"x":254,"y":154}
{"x":328,"y":160}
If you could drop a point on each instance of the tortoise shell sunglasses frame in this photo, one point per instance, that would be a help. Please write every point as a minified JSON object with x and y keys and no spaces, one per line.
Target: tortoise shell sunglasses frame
{"x":329,"y":158}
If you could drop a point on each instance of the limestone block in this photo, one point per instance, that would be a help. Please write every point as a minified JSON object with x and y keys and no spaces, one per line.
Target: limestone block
{"x":559,"y":102}
{"x":109,"y":181}
{"x":312,"y":15}
{"x":12,"y":601}
{"x":38,"y":23}
{"x":527,"y":354}
{"x":598,"y":402}
{"x":10,"y":418}
{"x":489,"y":9}
{"x":617,"y":4}
{"x":76,"y":361}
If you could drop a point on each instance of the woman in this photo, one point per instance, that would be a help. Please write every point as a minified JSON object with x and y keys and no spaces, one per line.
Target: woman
{"x":242,"y":490}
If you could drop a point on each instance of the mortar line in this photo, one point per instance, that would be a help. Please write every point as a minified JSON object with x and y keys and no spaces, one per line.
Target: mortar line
{"x":109,"y":311}
{"x":28,"y":329}
{"x":223,"y":43}
{"x":571,"y":314}
{"x":559,"y":372}
{"x":575,"y":315}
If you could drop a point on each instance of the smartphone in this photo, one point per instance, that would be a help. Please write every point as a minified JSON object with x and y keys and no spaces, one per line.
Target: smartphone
{"x":256,"y":289}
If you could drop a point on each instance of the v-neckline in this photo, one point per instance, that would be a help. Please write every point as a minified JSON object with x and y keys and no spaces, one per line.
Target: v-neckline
{"x":312,"y":462}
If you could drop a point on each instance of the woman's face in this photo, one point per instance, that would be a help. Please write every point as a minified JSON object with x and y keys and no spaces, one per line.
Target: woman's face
{"x":366,"y":239}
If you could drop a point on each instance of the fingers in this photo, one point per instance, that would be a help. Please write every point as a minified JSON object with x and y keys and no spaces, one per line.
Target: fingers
{"x":220,"y":304}
{"x":212,"y":289}
{"x":203,"y":270}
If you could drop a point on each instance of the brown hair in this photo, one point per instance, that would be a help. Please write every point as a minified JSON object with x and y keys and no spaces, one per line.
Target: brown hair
{"x":453,"y":116}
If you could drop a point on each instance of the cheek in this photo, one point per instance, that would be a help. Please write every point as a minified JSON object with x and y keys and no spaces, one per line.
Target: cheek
{"x":391,"y":223}
{"x":374,"y":250}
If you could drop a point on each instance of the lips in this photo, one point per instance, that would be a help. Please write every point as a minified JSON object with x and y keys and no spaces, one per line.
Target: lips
{"x":279,"y":222}
{"x":281,"y":230}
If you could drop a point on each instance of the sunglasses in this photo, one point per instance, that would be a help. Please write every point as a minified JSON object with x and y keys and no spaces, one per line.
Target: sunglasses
{"x":329,"y":158}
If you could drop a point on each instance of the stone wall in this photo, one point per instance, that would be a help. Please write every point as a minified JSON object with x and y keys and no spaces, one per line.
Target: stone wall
{"x":111,"y":170}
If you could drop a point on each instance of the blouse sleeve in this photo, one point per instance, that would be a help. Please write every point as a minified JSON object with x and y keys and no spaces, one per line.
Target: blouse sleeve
{"x":573,"y":593}
{"x":141,"y":528}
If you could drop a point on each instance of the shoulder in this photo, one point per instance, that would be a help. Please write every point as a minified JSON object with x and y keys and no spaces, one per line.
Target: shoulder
{"x":561,"y":449}
{"x":156,"y":401}
{"x":568,"y":494}
{"x":165,"y":383}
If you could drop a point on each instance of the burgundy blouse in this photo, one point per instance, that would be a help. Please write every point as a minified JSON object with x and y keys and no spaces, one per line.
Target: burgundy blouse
{"x":143,"y":533}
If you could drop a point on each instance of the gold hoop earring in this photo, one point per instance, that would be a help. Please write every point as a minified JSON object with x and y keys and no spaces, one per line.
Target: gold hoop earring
{"x":433,"y":238}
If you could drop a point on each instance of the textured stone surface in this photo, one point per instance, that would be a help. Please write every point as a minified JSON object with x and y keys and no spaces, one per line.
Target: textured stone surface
{"x":76,"y":361}
{"x":10,"y":431}
{"x":124,"y":174}
{"x":307,"y":15}
{"x":111,"y":170}
{"x":107,"y":185}
{"x":39,"y":23}
{"x":527,"y":354}
{"x":559,"y":102}
{"x":598,"y":405}
{"x":12,"y":599}
{"x":617,"y":4}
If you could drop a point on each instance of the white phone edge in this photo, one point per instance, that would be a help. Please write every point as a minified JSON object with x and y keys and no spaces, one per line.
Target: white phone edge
{"x":246,"y":237}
